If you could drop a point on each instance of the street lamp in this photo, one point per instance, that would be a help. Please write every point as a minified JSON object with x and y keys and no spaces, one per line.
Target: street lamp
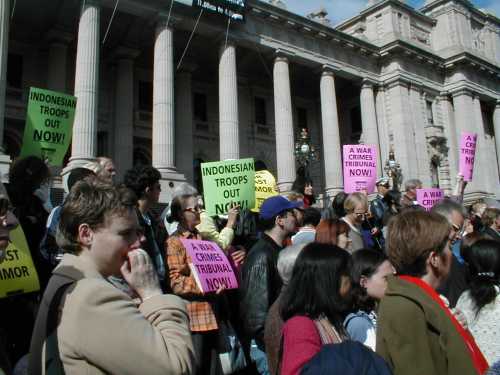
{"x":393,"y":170}
{"x":305,"y":153}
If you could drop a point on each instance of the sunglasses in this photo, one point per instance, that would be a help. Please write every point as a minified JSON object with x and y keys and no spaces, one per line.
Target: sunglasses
{"x":193,"y":209}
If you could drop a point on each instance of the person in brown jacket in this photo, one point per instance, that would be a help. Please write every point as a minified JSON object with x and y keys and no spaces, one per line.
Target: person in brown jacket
{"x":101,"y":330}
{"x":416,"y":332}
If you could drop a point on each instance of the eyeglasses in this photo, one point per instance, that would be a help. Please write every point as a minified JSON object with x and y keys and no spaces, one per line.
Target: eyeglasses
{"x":361,"y":214}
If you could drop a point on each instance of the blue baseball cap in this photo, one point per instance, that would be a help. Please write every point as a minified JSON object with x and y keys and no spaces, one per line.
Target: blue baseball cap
{"x":275,"y":205}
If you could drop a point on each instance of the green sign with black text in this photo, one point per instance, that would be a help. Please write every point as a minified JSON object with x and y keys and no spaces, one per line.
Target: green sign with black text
{"x":49,"y":125}
{"x":226,"y":183}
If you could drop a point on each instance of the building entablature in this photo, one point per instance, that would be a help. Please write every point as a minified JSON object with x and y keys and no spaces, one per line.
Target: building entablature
{"x":439,"y":6}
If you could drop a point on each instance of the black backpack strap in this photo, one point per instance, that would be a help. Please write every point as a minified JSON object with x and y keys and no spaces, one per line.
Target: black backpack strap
{"x":45,"y":330}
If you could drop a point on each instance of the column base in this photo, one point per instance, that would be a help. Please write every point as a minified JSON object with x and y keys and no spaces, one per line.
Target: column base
{"x":4,"y":167}
{"x":330,"y":193}
{"x":285,"y":187}
{"x":170,"y":179}
{"x":474,"y":196}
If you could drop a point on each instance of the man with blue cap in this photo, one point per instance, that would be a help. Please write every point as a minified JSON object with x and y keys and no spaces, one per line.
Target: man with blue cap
{"x":260,"y":280}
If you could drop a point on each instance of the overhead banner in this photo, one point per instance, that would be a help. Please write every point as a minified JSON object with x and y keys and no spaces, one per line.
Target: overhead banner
{"x":360,"y":168}
{"x":209,"y":265}
{"x":17,"y":271}
{"x":49,"y":125}
{"x":468,"y":143}
{"x":226,"y":183}
{"x":234,"y":9}
{"x":427,"y":198}
{"x":265,"y":187}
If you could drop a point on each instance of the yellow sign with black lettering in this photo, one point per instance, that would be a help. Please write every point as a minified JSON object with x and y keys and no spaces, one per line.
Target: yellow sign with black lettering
{"x":265,"y":187}
{"x":17,"y":271}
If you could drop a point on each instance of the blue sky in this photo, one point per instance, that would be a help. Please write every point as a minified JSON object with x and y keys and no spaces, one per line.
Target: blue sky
{"x":339,"y":10}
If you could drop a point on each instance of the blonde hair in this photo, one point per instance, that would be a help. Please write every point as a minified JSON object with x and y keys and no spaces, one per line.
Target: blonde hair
{"x":353,"y":200}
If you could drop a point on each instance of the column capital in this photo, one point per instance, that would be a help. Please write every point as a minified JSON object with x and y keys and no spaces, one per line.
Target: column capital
{"x":283,"y":55}
{"x":330,"y":69}
{"x":368,"y":83}
{"x":58,"y":36}
{"x":462,"y":91}
{"x":162,"y":18}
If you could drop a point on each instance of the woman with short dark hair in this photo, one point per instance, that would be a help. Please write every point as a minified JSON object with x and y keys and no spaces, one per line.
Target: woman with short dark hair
{"x":416,"y":332}
{"x":314,"y":304}
{"x":481,"y":302}
{"x":369,"y":273}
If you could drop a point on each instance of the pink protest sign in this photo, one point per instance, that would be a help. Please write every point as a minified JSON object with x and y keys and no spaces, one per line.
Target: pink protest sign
{"x":209,"y":266}
{"x":429,"y":197}
{"x":360,"y":168}
{"x":467,"y":155}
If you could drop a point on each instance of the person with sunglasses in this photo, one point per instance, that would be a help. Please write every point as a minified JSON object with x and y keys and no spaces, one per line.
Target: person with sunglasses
{"x":356,"y":208}
{"x":456,"y":283}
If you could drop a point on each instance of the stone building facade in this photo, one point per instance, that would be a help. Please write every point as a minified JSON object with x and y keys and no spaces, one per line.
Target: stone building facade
{"x":178,"y":85}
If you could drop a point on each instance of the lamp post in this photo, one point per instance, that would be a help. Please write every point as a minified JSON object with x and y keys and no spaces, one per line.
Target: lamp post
{"x":393,"y":170}
{"x":305,"y":153}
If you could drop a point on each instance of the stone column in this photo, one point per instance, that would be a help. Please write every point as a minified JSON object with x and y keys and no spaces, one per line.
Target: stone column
{"x":184,"y":123}
{"x":163,"y":109}
{"x":369,"y":120}
{"x":485,"y":175}
{"x":57,"y":76}
{"x":401,"y":121}
{"x":448,"y":123}
{"x":4,"y":52}
{"x":84,"y":144}
{"x":332,"y":154}
{"x":420,"y":132}
{"x":496,"y":124}
{"x":284,"y":124}
{"x":124,"y":110}
{"x":228,"y":104}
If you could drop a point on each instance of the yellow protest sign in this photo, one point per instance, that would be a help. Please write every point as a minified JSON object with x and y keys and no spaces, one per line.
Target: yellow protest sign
{"x":265,"y":187}
{"x":17,"y":271}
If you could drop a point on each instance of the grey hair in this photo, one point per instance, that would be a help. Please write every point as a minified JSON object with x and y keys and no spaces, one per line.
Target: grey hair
{"x":286,"y":261}
{"x":412,"y":184}
{"x":447,"y":207}
{"x":184,"y":189}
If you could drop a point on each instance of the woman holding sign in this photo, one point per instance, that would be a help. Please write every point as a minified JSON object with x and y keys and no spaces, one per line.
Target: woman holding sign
{"x":185,"y":210}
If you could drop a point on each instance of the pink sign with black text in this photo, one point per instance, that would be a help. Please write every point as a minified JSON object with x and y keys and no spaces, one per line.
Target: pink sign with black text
{"x":360,"y":168}
{"x":209,"y":266}
{"x":468,"y":143}
{"x":427,"y":198}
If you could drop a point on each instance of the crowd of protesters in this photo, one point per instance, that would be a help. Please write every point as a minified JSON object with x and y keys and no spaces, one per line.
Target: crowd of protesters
{"x":367,"y":285}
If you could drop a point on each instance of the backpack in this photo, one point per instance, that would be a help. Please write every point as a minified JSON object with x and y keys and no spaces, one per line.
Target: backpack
{"x":346,"y":358}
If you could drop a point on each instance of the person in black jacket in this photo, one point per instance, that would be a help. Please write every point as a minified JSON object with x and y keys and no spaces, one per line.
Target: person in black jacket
{"x":144,"y":181}
{"x":260,"y":280}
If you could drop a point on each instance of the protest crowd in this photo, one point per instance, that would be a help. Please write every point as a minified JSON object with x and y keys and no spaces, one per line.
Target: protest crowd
{"x":367,"y":284}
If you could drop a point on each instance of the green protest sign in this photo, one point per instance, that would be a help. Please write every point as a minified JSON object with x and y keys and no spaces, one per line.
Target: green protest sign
{"x":49,"y":124}
{"x":228,"y":182}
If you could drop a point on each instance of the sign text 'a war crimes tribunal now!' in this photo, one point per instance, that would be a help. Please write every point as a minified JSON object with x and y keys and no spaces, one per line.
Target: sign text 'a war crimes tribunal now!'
{"x":49,"y":124}
{"x":467,"y":155}
{"x":226,"y":183}
{"x":209,"y":266}
{"x":360,"y":168}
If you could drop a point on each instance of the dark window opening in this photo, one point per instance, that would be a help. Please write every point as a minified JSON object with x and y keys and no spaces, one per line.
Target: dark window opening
{"x":430,"y":114}
{"x":356,"y":120}
{"x":15,"y":71}
{"x":260,"y":111}
{"x":145,"y":96}
{"x":200,"y":107}
{"x":302,"y":118}
{"x":102,"y":143}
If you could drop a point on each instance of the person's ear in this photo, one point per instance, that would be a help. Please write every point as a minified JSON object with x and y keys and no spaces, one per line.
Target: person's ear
{"x":85,"y":235}
{"x":434,"y":259}
{"x":363,"y":281}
